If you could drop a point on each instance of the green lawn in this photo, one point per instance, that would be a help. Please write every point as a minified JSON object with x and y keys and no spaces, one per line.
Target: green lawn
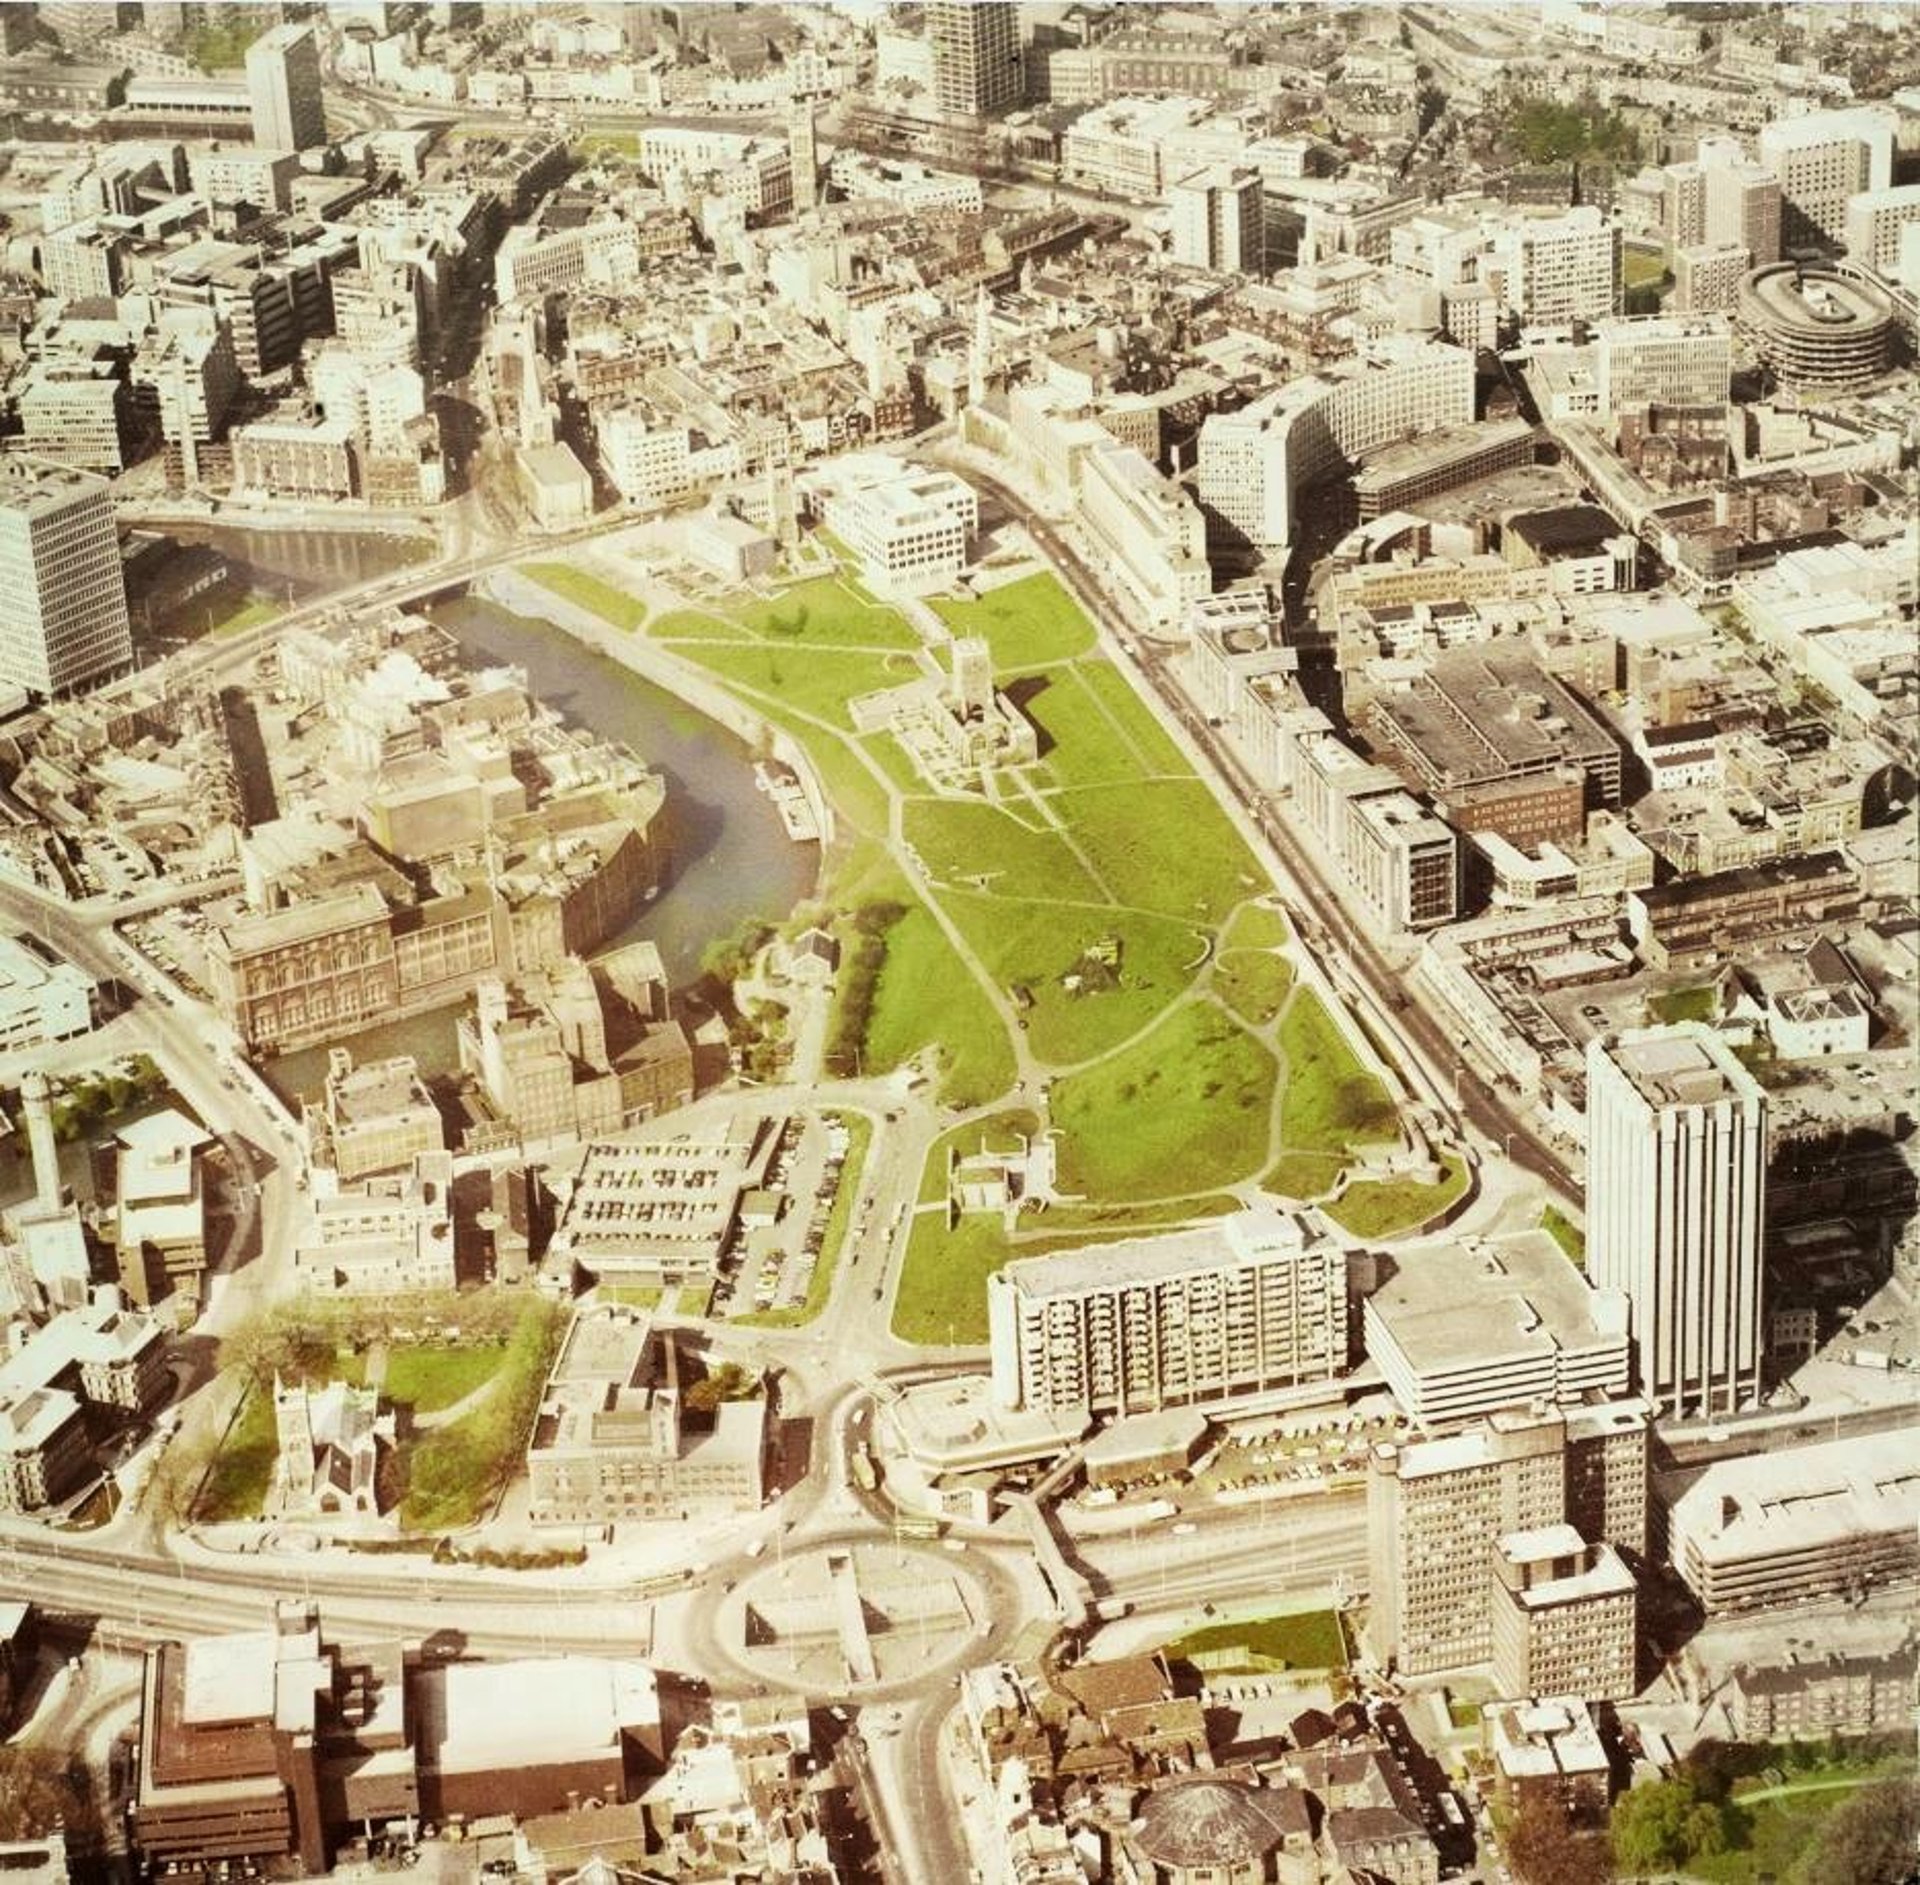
{"x":1302,"y":1175}
{"x":1183,"y":1109}
{"x":815,"y":681}
{"x":1026,"y":622}
{"x":1308,"y":1639}
{"x":926,"y":997}
{"x":1035,"y":946}
{"x":1332,"y":1102}
{"x":1253,"y":984}
{"x":1080,"y":744}
{"x":1683,"y":1004}
{"x":986,"y":848}
{"x":1162,"y":846}
{"x":1776,"y":1835}
{"x":237,"y":1481}
{"x":820,"y":1285}
{"x":586,"y":591}
{"x":943,"y":1285}
{"x":1638,"y":268}
{"x":455,"y":1472}
{"x":430,"y":1377}
{"x":1254,"y":926}
{"x":1385,"y":1207}
{"x":247,"y":611}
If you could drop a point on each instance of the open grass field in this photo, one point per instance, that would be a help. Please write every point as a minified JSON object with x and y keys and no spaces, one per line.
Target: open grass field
{"x":1253,"y":983}
{"x":1331,"y":1101}
{"x":1080,"y":744}
{"x":984,"y":847}
{"x":1386,"y":1207}
{"x":1302,"y":1175}
{"x":926,"y":998}
{"x":1026,"y":623}
{"x":587,"y":591}
{"x":818,"y":682}
{"x":1181,"y":1110}
{"x":1254,"y":926}
{"x":1164,"y":846}
{"x":1777,"y":1829}
{"x":1308,"y":1639}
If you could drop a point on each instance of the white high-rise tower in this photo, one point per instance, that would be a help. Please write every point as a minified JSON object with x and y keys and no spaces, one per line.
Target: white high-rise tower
{"x":63,"y":598}
{"x":1676,"y":1185}
{"x":283,"y":87}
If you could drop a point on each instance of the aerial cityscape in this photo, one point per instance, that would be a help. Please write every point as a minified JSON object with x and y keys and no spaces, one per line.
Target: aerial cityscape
{"x":952,"y":943}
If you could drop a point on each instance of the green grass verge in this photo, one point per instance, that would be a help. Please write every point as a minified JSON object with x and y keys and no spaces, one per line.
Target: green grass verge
{"x":589,"y":592}
{"x":1253,"y":984}
{"x":1331,"y":1101}
{"x":1080,"y":743}
{"x":248,"y":612}
{"x":1025,"y":623}
{"x":1385,"y":1207}
{"x":816,"y":681}
{"x":1566,"y":1233}
{"x":1183,"y":1109}
{"x":1308,"y":1639}
{"x":820,"y":1284}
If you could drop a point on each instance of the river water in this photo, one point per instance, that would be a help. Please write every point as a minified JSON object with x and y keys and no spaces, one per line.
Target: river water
{"x":732,"y":858}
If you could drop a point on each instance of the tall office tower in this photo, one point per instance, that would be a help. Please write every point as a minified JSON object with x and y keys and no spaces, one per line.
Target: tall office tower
{"x":1742,"y":202}
{"x":1436,"y":1509}
{"x":1876,"y":220}
{"x":804,"y":155}
{"x":1676,"y":1180}
{"x":283,"y":84}
{"x":36,"y":1105}
{"x":1219,"y":220}
{"x":63,"y":601}
{"x":976,"y":56}
{"x":1821,"y":160}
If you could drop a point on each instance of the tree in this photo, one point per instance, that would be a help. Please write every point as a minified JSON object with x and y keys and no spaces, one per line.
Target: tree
{"x":41,"y":1788}
{"x":1650,"y":1826}
{"x":1873,"y":1839}
{"x":1544,"y":1848}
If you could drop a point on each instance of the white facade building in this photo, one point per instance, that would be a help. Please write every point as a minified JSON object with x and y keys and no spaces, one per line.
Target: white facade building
{"x":911,"y":526}
{"x":1676,"y":1177}
{"x":1823,"y":159}
{"x":63,"y":600}
{"x":1875,"y":220}
{"x":283,"y":90}
{"x":1219,"y":219}
{"x":1255,"y":1304}
{"x":40,"y":1001}
{"x":1559,"y":268}
{"x":1665,"y":360}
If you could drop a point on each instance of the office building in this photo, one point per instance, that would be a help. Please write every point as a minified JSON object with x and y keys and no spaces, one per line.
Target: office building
{"x":376,"y":1117}
{"x":1840,"y":1518}
{"x":42,"y":998}
{"x":976,"y":56}
{"x":1150,"y":531}
{"x":1707,"y":280}
{"x":391,"y":1234}
{"x":911,"y":526}
{"x":1219,"y":220}
{"x":803,"y":156}
{"x":611,"y":1442}
{"x":1663,"y":360}
{"x":63,"y":602}
{"x":1559,"y":268}
{"x":1436,"y":1508}
{"x":1676,"y":1175}
{"x":1468,"y":1325}
{"x":1255,"y":1304}
{"x":1565,"y":1617}
{"x":1822,"y":160}
{"x":1256,"y":462}
{"x":1742,"y":206}
{"x":288,"y":109}
{"x":1875,"y":219}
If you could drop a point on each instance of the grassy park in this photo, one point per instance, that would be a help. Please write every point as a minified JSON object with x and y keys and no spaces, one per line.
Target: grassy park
{"x":1093,"y":921}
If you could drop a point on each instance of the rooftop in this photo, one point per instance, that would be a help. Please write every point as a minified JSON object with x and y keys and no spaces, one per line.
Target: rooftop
{"x":1247,"y":1239}
{"x":1683,"y":1065}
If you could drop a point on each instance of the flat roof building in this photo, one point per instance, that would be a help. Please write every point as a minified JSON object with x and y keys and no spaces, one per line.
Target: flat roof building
{"x":1565,"y":1617}
{"x":1468,"y":1325}
{"x":1258,"y":1302}
{"x":63,"y":599}
{"x":1833,"y":1520}
{"x":1676,"y":1178}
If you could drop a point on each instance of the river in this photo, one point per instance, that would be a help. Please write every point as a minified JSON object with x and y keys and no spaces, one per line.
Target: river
{"x":732,"y":858}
